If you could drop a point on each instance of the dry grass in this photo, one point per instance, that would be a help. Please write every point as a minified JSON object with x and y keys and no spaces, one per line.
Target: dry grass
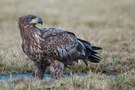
{"x":106,"y":23}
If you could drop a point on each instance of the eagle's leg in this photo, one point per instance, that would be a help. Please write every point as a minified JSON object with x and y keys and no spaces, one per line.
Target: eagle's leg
{"x":40,"y":70}
{"x":56,"y":69}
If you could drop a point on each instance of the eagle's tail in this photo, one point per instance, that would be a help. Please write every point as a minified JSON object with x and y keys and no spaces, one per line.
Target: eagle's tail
{"x":91,"y":52}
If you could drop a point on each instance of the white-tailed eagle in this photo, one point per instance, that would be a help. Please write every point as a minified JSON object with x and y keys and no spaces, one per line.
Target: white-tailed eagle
{"x":54,"y":47}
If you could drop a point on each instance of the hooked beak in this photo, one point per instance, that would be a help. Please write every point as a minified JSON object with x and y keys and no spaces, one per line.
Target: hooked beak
{"x":36,"y":21}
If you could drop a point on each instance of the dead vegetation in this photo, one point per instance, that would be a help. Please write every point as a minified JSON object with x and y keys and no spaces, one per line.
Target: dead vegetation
{"x":106,"y":23}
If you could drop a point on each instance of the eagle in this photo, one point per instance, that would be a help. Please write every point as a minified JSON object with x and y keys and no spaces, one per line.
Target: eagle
{"x":53,"y":47}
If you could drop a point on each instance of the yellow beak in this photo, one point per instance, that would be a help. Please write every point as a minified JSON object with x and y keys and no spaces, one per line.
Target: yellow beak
{"x":36,"y":21}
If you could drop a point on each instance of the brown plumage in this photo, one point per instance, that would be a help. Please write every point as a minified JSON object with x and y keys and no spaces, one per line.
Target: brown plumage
{"x":53,"y":47}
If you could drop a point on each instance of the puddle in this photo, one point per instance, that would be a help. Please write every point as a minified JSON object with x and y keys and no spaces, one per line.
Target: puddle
{"x":46,"y":76}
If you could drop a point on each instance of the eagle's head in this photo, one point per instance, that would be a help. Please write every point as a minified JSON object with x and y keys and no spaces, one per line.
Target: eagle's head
{"x":30,"y":20}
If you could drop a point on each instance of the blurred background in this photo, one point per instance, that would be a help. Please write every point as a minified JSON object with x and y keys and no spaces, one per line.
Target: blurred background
{"x":109,"y":24}
{"x":106,"y":23}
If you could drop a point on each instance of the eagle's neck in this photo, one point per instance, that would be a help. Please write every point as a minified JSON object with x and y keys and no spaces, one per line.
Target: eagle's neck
{"x":29,"y":31}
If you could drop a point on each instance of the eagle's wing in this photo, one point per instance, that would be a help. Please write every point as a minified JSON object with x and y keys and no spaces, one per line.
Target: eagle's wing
{"x":61,"y":45}
{"x":64,"y":46}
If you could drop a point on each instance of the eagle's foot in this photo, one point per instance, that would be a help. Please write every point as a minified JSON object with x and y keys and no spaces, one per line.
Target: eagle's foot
{"x":40,"y":70}
{"x":56,"y":69}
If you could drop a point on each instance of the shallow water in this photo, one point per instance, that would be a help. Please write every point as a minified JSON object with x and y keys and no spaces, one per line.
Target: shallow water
{"x":46,"y":76}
